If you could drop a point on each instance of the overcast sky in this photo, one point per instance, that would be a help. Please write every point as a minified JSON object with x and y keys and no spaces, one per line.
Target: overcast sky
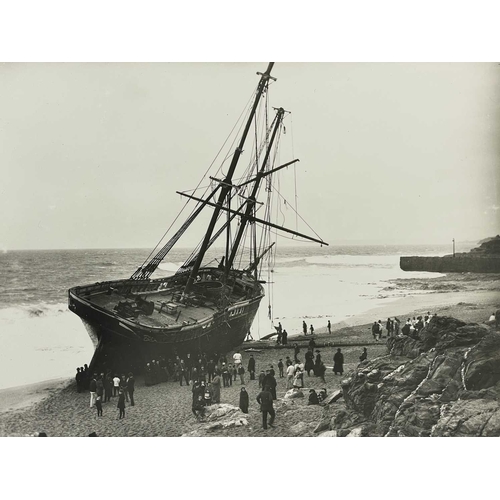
{"x":91,"y":154}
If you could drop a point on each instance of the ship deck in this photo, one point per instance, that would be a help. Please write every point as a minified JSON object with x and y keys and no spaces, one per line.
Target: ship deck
{"x":161,"y":316}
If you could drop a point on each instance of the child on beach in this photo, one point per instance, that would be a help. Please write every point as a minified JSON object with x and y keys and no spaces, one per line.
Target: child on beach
{"x":116,"y":385}
{"x":121,"y":403}
{"x":280,"y":367}
{"x":98,"y":405}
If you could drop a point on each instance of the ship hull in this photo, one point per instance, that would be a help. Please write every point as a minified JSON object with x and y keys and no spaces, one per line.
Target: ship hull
{"x":122,"y":344}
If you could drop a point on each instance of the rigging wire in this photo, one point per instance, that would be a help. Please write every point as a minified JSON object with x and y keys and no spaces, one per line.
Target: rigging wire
{"x":244,"y":111}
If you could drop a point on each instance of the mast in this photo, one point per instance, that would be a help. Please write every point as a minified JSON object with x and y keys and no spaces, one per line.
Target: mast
{"x":251,"y":199}
{"x":263,"y":83}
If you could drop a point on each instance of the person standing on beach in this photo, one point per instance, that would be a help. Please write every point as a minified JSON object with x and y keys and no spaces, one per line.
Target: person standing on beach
{"x":375,"y":330}
{"x":108,"y":387}
{"x":265,"y":399}
{"x":304,"y":327}
{"x":241,"y":373}
{"x":224,"y":372}
{"x":284,"y":338}
{"x":92,"y":389}
{"x":251,"y":367}
{"x":244,"y":400}
{"x":131,"y":387}
{"x":321,"y":372}
{"x":262,"y":376}
{"x":280,"y":367}
{"x":86,"y":376}
{"x":216,"y":388}
{"x":329,"y":326}
{"x":270,"y":381}
{"x":311,"y":328}
{"x":312,"y":344}
{"x":317,"y":363}
{"x":289,"y":376}
{"x":298,"y":378}
{"x":309,"y":361}
{"x":237,"y":359}
{"x":181,"y":371}
{"x":338,"y":362}
{"x":116,"y":385}
{"x":98,"y":405}
{"x":100,"y":387}
{"x":78,"y":379}
{"x":296,"y":351}
{"x":121,"y":403}
{"x":123,"y":387}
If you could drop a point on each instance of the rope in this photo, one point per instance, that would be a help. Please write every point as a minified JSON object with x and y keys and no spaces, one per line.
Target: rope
{"x":165,"y":250}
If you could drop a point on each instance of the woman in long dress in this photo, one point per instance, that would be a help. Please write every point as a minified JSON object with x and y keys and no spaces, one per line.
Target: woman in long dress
{"x":244,"y":400}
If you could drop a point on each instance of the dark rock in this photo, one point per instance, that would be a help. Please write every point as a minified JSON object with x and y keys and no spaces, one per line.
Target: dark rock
{"x":332,"y":398}
{"x":443,"y":382}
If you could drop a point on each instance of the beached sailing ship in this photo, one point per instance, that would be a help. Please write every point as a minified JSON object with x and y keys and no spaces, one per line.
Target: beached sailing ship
{"x":204,"y":306}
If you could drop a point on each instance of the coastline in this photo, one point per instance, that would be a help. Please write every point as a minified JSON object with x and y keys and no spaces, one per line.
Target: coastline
{"x":54,"y":406}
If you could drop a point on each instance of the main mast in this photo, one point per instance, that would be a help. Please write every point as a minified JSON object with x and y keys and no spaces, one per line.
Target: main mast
{"x":226,"y":184}
{"x":250,"y":208}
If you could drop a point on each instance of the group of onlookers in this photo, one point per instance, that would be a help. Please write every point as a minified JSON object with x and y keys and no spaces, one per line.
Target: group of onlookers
{"x":103,"y":387}
{"x":393,"y":328}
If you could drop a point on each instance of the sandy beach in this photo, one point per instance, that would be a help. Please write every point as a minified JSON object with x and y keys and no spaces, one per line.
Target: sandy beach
{"x":56,"y":408}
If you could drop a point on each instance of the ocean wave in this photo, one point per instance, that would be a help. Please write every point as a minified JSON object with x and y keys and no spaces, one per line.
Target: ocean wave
{"x":33,"y":311}
{"x":171,"y":267}
{"x":341,"y":261}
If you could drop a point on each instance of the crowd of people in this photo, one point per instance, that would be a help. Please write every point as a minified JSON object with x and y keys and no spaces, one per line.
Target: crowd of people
{"x":104,"y":386}
{"x":208,"y":374}
{"x":393,"y":328}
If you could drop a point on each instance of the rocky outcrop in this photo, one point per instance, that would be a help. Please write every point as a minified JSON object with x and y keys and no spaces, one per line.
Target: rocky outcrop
{"x":443,"y":381}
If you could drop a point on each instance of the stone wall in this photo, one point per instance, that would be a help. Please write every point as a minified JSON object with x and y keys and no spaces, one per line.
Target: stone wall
{"x":457,"y":264}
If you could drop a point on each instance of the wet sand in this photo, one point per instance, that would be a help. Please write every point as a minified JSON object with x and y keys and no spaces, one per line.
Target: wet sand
{"x":165,"y":409}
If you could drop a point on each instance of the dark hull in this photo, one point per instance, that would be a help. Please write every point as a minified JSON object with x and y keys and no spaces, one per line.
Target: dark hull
{"x":122,"y":344}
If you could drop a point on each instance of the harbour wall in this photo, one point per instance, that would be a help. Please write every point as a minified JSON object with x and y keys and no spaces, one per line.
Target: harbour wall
{"x":450,"y":264}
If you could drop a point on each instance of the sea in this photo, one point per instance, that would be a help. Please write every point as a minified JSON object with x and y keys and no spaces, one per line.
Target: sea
{"x":40,"y":339}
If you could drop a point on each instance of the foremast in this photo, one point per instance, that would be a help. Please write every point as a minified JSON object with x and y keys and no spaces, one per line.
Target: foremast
{"x":226,"y":185}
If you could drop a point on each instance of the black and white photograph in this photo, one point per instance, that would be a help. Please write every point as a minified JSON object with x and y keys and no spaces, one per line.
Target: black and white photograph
{"x":198,"y":243}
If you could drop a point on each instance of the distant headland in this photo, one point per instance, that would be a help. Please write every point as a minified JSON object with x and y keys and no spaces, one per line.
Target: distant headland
{"x":483,"y":259}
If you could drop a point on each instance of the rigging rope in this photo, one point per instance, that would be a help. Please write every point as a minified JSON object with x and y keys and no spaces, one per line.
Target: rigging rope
{"x":150,"y":264}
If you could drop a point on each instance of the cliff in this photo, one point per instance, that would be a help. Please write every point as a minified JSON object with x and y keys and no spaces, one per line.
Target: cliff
{"x":484,"y":259}
{"x":443,"y":381}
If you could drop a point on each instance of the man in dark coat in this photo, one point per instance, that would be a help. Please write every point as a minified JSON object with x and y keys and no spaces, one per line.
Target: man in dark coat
{"x":78,"y":380}
{"x":131,"y":387}
{"x":284,"y":337}
{"x":265,"y":399}
{"x":251,"y":367}
{"x":270,"y":382}
{"x":309,"y":362}
{"x":338,"y":362}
